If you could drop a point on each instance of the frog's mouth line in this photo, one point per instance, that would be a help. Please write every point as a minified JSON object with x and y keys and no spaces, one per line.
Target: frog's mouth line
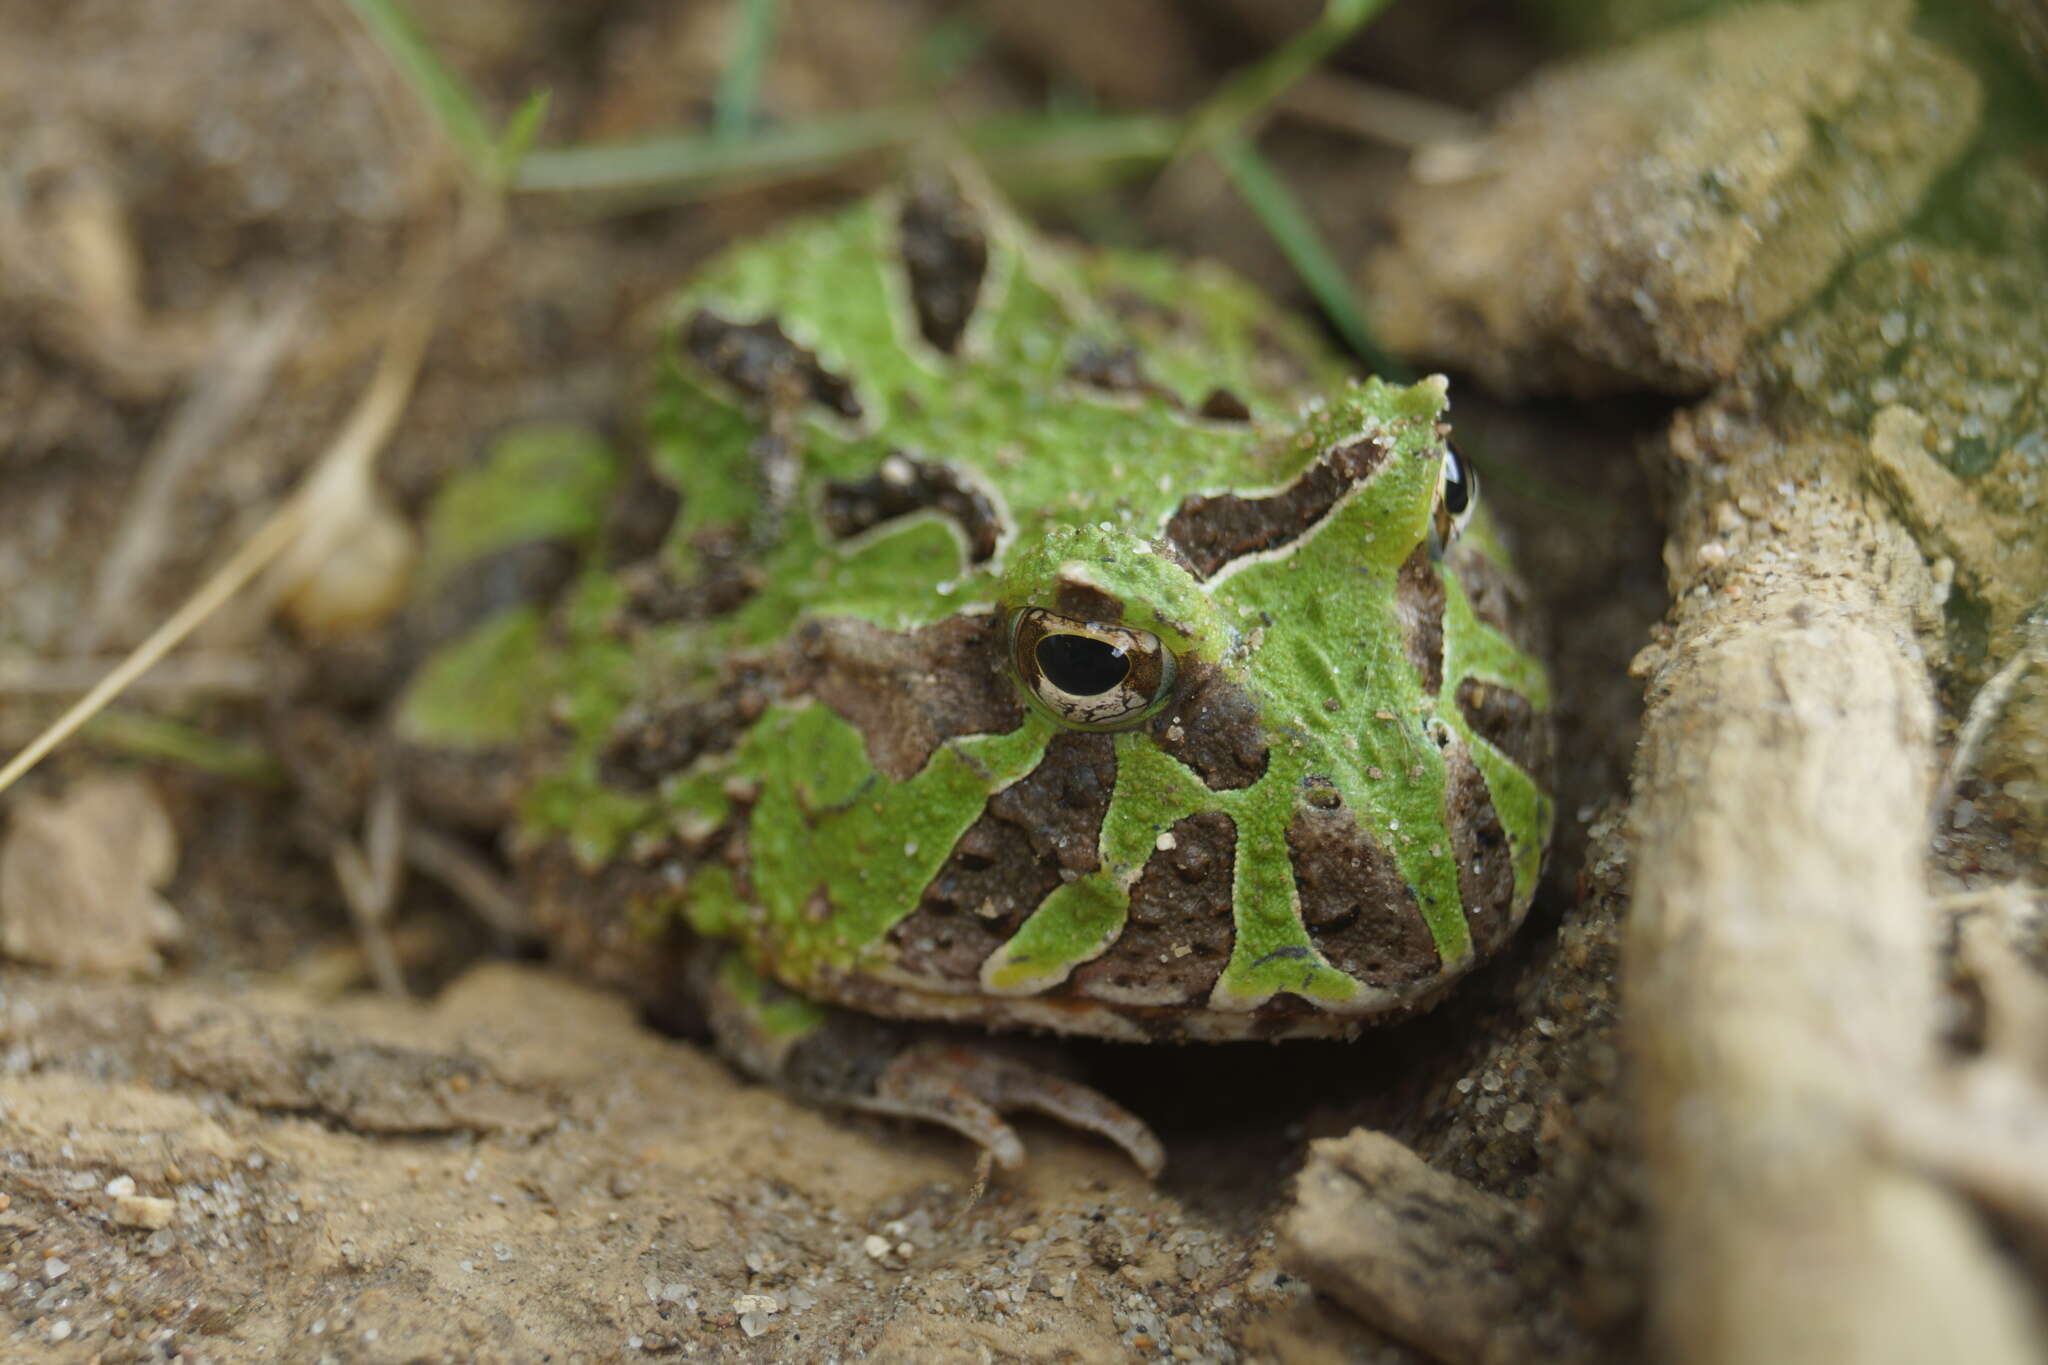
{"x":898,"y":995}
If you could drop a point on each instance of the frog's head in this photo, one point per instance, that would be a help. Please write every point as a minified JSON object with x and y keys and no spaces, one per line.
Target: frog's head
{"x":1104,"y":624}
{"x":1101,"y":621}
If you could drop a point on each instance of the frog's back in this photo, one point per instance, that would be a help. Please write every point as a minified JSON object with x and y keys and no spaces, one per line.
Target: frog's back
{"x":935,"y":476}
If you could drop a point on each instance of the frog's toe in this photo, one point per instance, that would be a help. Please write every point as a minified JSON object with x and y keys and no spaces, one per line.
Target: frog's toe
{"x":969,"y":1089}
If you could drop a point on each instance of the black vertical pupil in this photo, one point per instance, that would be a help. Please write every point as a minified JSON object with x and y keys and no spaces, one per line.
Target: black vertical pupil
{"x":1080,"y":665}
{"x":1457,"y":487}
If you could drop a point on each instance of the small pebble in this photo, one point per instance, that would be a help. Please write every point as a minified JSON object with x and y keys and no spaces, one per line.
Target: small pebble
{"x":120,"y":1185}
{"x":143,"y":1211}
{"x":54,"y":1269}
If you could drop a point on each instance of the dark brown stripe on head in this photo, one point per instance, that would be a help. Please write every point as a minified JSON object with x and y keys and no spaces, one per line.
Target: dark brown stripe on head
{"x":1486,"y":867}
{"x":945,"y":256}
{"x":1506,"y":720}
{"x":1214,"y":728}
{"x":1358,"y":909}
{"x":904,"y":485}
{"x":1419,"y":604}
{"x":1177,"y":938}
{"x":908,"y":691}
{"x":1038,"y":832}
{"x":1212,"y":531}
{"x":1498,"y":598}
{"x":760,"y":361}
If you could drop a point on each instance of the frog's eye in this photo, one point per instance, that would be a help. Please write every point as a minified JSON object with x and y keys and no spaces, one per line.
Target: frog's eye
{"x":1090,"y":675}
{"x":1457,"y":493}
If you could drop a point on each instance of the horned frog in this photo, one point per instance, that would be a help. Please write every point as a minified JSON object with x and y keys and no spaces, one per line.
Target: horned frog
{"x":999,"y":636}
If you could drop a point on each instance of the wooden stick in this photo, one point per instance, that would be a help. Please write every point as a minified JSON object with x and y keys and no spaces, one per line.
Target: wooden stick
{"x":1780,"y":971}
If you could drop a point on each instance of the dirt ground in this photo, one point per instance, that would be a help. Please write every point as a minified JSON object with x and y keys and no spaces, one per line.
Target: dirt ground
{"x":231,"y":1147}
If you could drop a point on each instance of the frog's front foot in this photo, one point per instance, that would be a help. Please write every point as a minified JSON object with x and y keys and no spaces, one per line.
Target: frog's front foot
{"x":851,"y":1061}
{"x":969,"y":1087}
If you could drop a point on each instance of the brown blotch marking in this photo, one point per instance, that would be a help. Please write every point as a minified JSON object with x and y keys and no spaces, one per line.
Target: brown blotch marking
{"x":1117,"y":370}
{"x":1179,"y":931}
{"x":639,"y":517}
{"x":1486,"y":868}
{"x":760,"y":361}
{"x":1086,"y":602}
{"x":1359,"y":910}
{"x":587,"y":919}
{"x":1212,"y":531}
{"x":945,"y":256}
{"x":904,"y":485}
{"x":907,"y":692}
{"x":1506,"y":720}
{"x":1419,"y":605}
{"x":1040,"y":831}
{"x":532,"y":572}
{"x":1214,"y":729}
{"x":728,"y":575}
{"x":1498,"y":598}
{"x":1224,"y":406}
{"x":653,"y":740}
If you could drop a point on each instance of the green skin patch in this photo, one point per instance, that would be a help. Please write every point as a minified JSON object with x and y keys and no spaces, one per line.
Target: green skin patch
{"x":1082,"y":482}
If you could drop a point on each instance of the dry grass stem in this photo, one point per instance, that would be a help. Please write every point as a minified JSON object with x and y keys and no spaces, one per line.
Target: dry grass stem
{"x":294,"y":524}
{"x":244,"y":362}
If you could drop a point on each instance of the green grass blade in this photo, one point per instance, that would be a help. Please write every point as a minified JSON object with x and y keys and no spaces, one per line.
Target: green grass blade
{"x":137,"y":734}
{"x":1066,"y":146}
{"x":1245,"y":95}
{"x":691,"y":163}
{"x":450,"y":100}
{"x":1017,"y":147}
{"x":1290,"y":228}
{"x":516,"y":142}
{"x":739,"y":87}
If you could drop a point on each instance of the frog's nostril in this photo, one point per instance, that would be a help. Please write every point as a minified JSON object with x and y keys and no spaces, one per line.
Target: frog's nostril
{"x":1082,"y":666}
